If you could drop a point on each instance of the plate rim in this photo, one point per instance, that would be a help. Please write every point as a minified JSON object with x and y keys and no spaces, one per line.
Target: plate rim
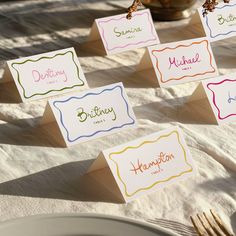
{"x":123,"y":219}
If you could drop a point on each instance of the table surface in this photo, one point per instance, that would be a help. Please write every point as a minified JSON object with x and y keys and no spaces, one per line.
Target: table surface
{"x":37,"y":177}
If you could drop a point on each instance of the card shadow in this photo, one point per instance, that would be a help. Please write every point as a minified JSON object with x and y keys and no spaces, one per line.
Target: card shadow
{"x":13,"y":134}
{"x":24,"y":21}
{"x":224,"y":53}
{"x":179,"y":33}
{"x":66,"y":182}
{"x":233,"y":221}
{"x":176,"y":110}
{"x":125,"y":74}
{"x":9,"y":93}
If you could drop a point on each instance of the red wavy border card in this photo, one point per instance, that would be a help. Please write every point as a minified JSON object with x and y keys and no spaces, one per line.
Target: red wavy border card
{"x":182,"y":62}
{"x":221,"y":94}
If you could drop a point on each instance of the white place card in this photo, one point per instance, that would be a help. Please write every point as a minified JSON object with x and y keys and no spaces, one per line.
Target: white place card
{"x":221,"y":95}
{"x":92,"y":114}
{"x":45,"y":75}
{"x":217,"y":25}
{"x":180,"y":62}
{"x":221,"y":23}
{"x":119,"y":34}
{"x":147,"y":164}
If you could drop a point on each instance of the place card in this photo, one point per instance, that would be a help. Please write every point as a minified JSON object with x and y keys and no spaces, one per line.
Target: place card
{"x":179,"y":62}
{"x":147,"y":164}
{"x":117,"y":33}
{"x":220,"y":93}
{"x":46,"y":74}
{"x":219,"y":24}
{"x":84,"y":116}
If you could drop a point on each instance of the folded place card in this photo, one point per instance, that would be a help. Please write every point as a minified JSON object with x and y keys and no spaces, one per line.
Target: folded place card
{"x":180,"y":62}
{"x":219,"y":24}
{"x":46,"y":74}
{"x":147,"y":164}
{"x":220,"y":93}
{"x":118,"y":34}
{"x":88,"y":115}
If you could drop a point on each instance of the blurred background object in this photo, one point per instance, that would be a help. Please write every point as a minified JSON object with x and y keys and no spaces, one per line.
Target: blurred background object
{"x":170,"y":9}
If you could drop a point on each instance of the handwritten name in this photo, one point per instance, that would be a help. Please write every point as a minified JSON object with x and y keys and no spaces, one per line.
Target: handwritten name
{"x":49,"y":74}
{"x":95,"y":112}
{"x":183,"y":61}
{"x":142,"y":167}
{"x":230,"y":99}
{"x":130,"y":31}
{"x":228,"y":19}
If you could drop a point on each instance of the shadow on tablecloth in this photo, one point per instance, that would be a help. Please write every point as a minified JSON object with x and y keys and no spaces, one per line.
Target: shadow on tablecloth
{"x":68,"y":182}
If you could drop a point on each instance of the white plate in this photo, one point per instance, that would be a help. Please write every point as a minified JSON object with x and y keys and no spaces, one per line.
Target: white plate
{"x":79,"y":225}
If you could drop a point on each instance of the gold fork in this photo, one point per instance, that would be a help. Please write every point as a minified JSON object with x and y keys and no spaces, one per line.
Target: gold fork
{"x":210,"y":225}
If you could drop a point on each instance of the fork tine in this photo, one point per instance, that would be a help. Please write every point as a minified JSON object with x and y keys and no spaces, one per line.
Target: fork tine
{"x":199,"y":229}
{"x":208,"y":229}
{"x":215,"y":229}
{"x":221,"y":223}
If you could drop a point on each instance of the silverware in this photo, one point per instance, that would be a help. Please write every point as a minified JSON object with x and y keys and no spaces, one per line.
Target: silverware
{"x":177,"y":227}
{"x":210,"y":225}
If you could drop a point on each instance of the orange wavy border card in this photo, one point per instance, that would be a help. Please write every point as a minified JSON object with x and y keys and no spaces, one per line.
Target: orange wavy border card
{"x":182,"y":62}
{"x":115,"y":34}
{"x":44,"y":75}
{"x":147,"y":164}
{"x":221,"y":95}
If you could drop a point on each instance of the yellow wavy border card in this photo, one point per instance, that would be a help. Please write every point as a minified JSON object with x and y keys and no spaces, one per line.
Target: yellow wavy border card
{"x":47,"y":74}
{"x":149,"y":163}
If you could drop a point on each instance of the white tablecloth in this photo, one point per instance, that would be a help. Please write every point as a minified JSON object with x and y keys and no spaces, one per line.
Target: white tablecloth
{"x":36,"y":177}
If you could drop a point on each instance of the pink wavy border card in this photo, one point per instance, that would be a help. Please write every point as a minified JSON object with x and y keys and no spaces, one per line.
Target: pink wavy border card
{"x":221,"y":92}
{"x":119,"y":34}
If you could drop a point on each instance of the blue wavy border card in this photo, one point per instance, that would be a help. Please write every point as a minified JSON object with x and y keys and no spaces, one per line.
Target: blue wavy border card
{"x":93,"y":114}
{"x":221,"y":23}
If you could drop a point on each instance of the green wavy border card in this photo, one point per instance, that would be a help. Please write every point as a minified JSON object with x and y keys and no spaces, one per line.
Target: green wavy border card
{"x":150,"y":163}
{"x":47,"y":74}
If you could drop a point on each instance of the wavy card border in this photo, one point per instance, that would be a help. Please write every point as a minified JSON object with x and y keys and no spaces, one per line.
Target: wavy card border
{"x":157,"y":182}
{"x":210,"y":30}
{"x":184,"y":46}
{"x":214,"y":98}
{"x":47,"y":58}
{"x":99,"y":131}
{"x":100,"y":22}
